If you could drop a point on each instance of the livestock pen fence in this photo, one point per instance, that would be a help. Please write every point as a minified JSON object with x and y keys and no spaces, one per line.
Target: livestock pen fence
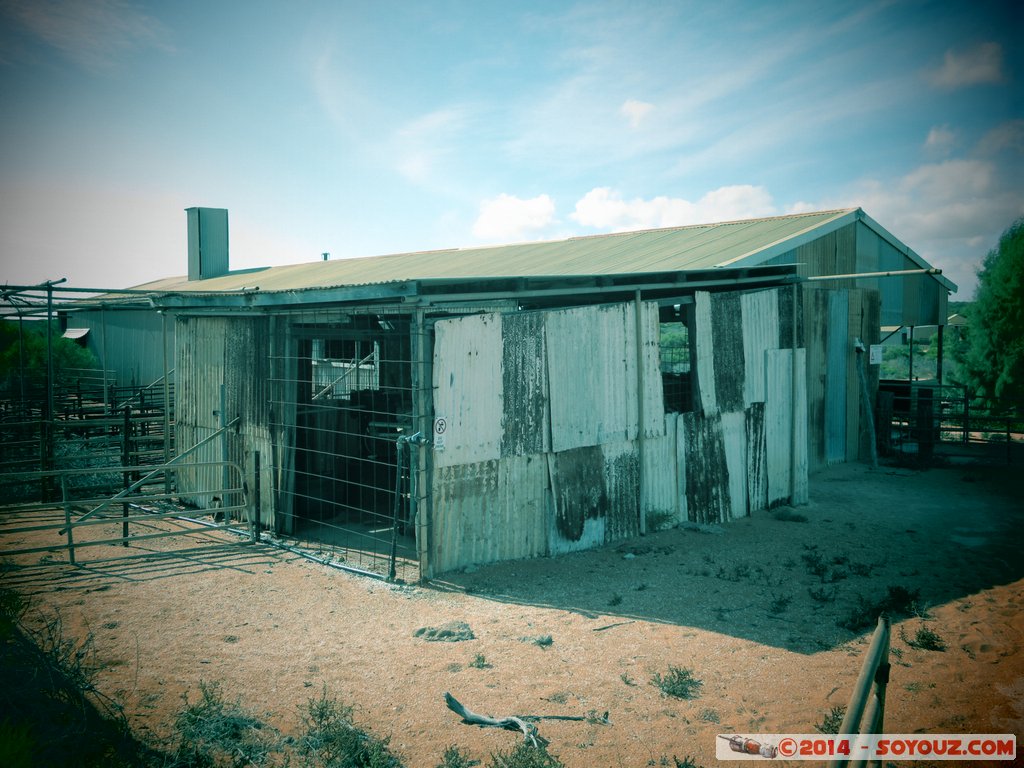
{"x":926,"y":422}
{"x":143,"y":511}
{"x":83,"y":421}
{"x":100,"y":472}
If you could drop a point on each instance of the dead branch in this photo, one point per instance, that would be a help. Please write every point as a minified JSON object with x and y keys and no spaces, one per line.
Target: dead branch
{"x":469,"y":717}
{"x":616,"y":624}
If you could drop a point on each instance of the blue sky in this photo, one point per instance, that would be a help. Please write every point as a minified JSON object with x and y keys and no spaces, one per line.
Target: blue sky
{"x":363,"y":128}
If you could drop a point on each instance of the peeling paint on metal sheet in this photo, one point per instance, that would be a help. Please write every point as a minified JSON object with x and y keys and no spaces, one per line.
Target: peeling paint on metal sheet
{"x":581,"y":490}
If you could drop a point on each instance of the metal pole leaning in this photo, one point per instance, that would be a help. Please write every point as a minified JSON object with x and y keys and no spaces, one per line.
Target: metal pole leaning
{"x":874,"y":676}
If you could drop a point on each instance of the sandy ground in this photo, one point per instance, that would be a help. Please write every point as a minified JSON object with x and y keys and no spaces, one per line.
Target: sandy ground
{"x":732,"y":603}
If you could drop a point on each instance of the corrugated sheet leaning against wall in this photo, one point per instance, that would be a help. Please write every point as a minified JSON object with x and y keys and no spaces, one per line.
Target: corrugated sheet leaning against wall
{"x":543,"y":451}
{"x":233,"y":353}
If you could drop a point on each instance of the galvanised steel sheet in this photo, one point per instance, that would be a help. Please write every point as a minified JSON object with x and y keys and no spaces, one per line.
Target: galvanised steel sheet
{"x":467,"y":388}
{"x":760,"y":310}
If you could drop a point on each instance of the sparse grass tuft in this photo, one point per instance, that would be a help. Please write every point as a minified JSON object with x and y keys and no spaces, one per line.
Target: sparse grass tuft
{"x":453,"y":757}
{"x":814,"y":563}
{"x":897,"y":602}
{"x":832,"y":721}
{"x":737,"y":573}
{"x":709,"y":716}
{"x":542,"y":641}
{"x":679,"y":683}
{"x":861,"y":569}
{"x":524,"y":755}
{"x":926,"y":640}
{"x":480,"y":662}
{"x":822,"y":594}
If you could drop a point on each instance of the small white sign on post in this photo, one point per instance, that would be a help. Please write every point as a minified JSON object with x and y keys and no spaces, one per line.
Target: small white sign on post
{"x":440,"y":429}
{"x":875,"y":354}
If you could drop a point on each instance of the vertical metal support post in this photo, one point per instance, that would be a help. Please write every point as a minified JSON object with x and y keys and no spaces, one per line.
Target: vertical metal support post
{"x":67,"y":518}
{"x":793,"y":399}
{"x":256,"y":500}
{"x":395,"y":508}
{"x":910,"y":375}
{"x":21,"y":355}
{"x":866,"y":396}
{"x":103,"y":352}
{"x":640,"y":416}
{"x":167,"y":412}
{"x":47,"y":453}
{"x":125,"y":459}
{"x":225,"y":477}
{"x":939,"y":355}
{"x":420,"y":466}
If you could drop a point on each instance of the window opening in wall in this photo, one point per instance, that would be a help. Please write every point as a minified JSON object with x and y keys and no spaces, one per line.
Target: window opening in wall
{"x":674,"y":343}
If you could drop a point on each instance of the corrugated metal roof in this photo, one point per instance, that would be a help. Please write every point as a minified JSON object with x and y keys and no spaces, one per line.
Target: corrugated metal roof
{"x":672,"y":249}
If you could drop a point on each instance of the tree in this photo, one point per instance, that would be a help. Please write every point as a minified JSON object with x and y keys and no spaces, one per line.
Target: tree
{"x":23,"y":351}
{"x":993,"y":363}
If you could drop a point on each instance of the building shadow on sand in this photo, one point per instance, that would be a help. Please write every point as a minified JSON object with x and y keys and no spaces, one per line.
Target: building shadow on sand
{"x":805,"y":579}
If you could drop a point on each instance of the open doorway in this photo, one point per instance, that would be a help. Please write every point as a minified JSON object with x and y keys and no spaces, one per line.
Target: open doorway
{"x":352,"y":391}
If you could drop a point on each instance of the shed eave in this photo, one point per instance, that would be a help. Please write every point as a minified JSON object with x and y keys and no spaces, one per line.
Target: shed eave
{"x":883,"y":233}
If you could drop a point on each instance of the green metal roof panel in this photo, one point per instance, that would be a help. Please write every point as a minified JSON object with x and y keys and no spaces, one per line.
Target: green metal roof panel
{"x":674,"y":249}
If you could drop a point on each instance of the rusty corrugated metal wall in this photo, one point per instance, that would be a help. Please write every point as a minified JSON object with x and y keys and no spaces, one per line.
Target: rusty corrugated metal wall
{"x":235,"y":353}
{"x":542,"y":453}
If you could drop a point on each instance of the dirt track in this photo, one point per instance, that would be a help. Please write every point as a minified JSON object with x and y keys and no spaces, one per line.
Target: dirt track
{"x":731,"y":603}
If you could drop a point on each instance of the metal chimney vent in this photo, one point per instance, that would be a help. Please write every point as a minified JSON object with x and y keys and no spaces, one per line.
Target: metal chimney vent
{"x":207,"y":242}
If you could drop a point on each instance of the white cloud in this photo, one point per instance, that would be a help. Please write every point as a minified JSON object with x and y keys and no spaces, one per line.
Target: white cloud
{"x":944,"y":211}
{"x":635,"y":111}
{"x":979,"y":65}
{"x":603,"y":208}
{"x":940,"y":140}
{"x":92,"y":34}
{"x":507,"y":217}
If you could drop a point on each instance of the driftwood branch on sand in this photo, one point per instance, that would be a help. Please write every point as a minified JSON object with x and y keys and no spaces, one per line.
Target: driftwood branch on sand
{"x":529,"y":730}
{"x":521,"y":723}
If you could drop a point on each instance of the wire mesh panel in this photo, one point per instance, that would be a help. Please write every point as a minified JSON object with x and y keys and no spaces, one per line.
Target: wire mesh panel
{"x":343,"y":395}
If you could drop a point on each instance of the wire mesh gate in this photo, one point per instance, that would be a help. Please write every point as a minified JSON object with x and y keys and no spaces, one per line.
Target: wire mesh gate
{"x":346,"y":398}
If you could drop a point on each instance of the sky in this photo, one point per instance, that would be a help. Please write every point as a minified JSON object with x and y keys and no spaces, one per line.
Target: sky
{"x":366,"y":128}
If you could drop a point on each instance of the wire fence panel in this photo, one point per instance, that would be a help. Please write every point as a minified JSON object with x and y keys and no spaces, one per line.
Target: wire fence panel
{"x":342,"y":397}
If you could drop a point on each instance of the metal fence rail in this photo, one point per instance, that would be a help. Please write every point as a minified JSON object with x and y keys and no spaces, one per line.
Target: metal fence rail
{"x":923,"y":420}
{"x":77,"y":521}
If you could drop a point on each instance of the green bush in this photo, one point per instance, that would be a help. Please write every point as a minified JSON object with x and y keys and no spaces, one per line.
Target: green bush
{"x":332,"y":740}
